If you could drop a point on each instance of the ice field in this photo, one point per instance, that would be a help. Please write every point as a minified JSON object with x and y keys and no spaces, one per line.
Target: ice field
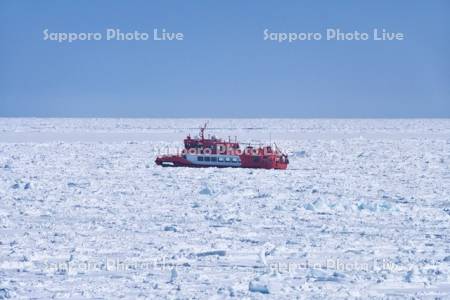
{"x":362,"y":211}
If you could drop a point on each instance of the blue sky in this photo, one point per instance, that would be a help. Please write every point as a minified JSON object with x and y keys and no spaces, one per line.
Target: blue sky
{"x":223,"y":67}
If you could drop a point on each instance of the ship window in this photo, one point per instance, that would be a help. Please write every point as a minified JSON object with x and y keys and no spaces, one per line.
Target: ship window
{"x":200,"y":158}
{"x":207,"y":158}
{"x":227,"y":159}
{"x":220,"y":159}
{"x":255,"y":158}
{"x":234,"y":159}
{"x":213,"y":158}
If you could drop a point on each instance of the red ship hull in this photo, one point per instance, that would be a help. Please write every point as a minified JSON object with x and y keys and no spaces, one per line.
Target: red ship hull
{"x":245,"y":162}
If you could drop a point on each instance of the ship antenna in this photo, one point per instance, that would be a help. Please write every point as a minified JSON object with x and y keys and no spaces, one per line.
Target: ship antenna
{"x":277,"y":149}
{"x":202,"y":130}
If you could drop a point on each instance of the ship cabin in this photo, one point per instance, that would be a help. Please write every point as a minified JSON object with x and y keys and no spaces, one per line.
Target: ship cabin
{"x":210,"y":144}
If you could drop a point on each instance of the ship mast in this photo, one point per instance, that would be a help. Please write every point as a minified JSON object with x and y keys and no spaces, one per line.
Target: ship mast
{"x":202,"y":131}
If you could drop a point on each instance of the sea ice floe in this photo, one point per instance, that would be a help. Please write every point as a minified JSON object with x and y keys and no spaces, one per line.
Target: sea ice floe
{"x":173,"y":275}
{"x":205,"y":190}
{"x":301,"y":153}
{"x":318,"y":205}
{"x":170,"y":228}
{"x":374,"y":205}
{"x":4,"y":293}
{"x":320,"y":275}
{"x":384,"y":213}
{"x":212,"y":252}
{"x":258,"y":287}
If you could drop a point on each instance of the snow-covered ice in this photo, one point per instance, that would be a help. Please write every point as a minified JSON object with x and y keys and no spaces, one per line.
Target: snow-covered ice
{"x":362,"y":211}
